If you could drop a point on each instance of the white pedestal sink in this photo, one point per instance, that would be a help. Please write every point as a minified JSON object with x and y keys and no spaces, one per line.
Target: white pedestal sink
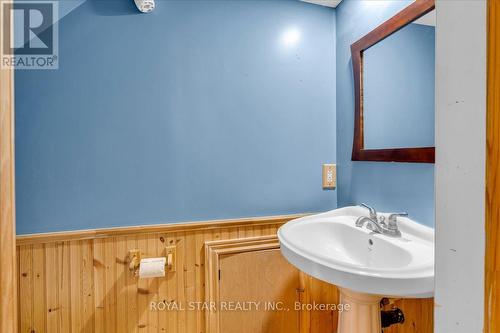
{"x":366,"y":266}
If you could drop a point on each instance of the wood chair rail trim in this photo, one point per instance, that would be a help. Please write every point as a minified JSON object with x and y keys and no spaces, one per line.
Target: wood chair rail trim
{"x":149,"y":229}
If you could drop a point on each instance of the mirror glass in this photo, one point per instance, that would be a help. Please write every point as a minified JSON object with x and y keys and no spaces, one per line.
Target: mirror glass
{"x":398,"y":88}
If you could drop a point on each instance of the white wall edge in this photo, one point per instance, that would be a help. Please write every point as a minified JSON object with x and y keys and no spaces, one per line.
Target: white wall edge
{"x":460,"y":165}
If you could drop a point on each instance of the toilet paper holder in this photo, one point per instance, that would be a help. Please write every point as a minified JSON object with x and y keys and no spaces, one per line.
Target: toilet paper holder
{"x":135,"y":256}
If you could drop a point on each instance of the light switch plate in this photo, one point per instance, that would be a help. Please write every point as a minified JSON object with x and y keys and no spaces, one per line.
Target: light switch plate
{"x":329,"y":176}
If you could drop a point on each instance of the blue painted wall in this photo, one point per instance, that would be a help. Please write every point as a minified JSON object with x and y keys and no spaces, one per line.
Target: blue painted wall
{"x":398,"y":89}
{"x":387,"y":186}
{"x":199,"y":110}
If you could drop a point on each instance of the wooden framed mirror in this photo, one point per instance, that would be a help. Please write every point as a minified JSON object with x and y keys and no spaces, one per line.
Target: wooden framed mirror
{"x":393,"y":68}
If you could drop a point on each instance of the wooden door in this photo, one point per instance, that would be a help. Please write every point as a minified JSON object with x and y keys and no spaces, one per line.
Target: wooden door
{"x":265,"y":278}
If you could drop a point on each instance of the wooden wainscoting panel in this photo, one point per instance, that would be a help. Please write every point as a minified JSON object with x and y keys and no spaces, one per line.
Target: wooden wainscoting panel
{"x":67,"y":284}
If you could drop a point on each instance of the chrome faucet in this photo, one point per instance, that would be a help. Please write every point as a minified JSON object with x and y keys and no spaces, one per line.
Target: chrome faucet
{"x":373,"y":212}
{"x":392,"y":224}
{"x":377,"y":224}
{"x":371,"y":224}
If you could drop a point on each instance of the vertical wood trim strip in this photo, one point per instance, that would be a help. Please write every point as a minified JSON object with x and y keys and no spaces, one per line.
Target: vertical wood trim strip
{"x":492,"y":259}
{"x":53,"y":308}
{"x":87,"y":287}
{"x":39,"y":296}
{"x":99,"y":286}
{"x":181,"y":278}
{"x":75,"y":286}
{"x":121,"y":278}
{"x":131,"y":291}
{"x":65,"y":286}
{"x":8,"y":278}
{"x":163,"y":294}
{"x":190,"y":280}
{"x":152,"y":287}
{"x":170,"y":279}
{"x":199,"y":240}
{"x":143,"y":290}
{"x":26,"y":303}
{"x":110,"y":285}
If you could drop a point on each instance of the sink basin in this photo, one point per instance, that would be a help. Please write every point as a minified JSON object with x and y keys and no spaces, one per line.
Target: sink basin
{"x":330,"y":247}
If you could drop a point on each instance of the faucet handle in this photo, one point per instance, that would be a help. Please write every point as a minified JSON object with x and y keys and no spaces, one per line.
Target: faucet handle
{"x":393,"y":220}
{"x":373,"y":212}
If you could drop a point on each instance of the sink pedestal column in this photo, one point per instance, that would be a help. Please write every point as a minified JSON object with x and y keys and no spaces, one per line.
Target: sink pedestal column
{"x":363,"y":314}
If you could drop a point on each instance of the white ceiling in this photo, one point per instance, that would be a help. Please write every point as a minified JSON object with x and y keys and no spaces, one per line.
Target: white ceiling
{"x":327,"y":3}
{"x":427,"y":19}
